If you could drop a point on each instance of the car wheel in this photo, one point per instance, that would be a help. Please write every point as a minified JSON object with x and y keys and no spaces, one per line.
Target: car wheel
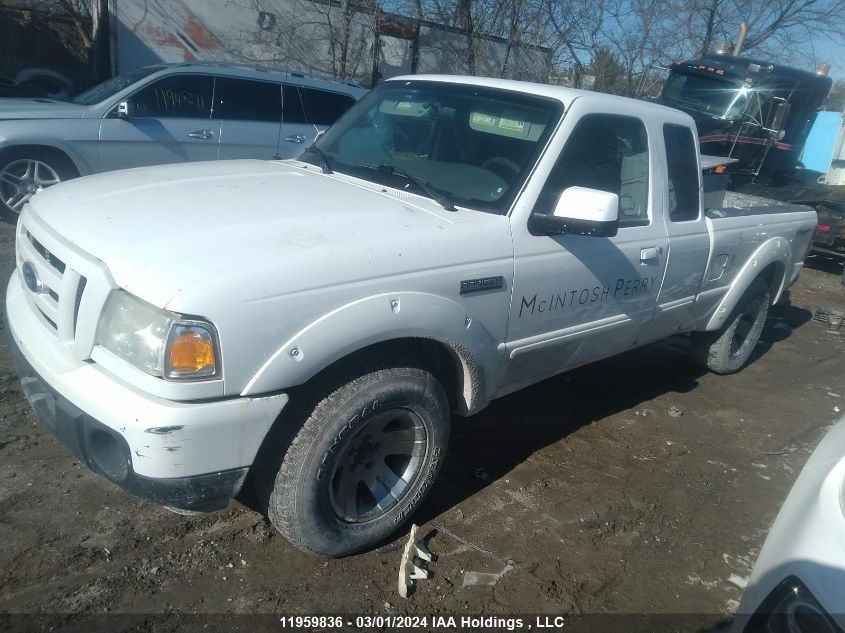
{"x":23,"y":173}
{"x":362,"y":462}
{"x":728,"y":350}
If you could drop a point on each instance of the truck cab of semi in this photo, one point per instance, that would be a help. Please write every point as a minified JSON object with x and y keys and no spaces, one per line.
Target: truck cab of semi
{"x":748,"y":109}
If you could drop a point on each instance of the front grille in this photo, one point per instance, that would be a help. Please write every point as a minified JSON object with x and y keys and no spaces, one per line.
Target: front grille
{"x":80,"y":289}
{"x":57,"y":304}
{"x":51,"y":259}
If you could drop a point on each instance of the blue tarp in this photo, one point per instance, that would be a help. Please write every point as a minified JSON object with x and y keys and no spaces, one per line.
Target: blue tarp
{"x":818,"y":150}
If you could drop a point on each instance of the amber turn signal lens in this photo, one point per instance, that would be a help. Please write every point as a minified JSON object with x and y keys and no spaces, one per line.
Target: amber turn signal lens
{"x":191,"y":353}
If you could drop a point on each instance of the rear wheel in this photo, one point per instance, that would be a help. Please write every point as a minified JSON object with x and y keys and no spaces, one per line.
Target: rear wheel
{"x":361,"y":463}
{"x":25,"y":172}
{"x":728,"y":350}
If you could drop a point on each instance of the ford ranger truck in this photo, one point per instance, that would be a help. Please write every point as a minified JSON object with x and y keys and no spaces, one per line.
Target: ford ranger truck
{"x":314,"y":323}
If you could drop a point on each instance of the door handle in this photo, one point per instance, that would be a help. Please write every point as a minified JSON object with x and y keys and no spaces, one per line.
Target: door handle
{"x":295,"y":138}
{"x":648,"y":254}
{"x":203,"y":134}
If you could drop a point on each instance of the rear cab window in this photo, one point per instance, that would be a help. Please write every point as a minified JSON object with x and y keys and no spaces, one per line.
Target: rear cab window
{"x":682,"y":172}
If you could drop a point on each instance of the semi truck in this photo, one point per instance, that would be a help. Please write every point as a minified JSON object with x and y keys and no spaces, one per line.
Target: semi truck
{"x":760,"y":114}
{"x":749,"y":109}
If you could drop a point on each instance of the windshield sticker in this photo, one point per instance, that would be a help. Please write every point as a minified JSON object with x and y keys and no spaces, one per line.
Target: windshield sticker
{"x":584,"y":296}
{"x":521,"y":124}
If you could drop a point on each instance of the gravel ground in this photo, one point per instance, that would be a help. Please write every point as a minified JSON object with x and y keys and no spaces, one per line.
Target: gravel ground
{"x":639,"y":484}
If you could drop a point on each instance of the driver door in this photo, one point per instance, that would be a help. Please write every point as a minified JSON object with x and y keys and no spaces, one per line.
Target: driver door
{"x":580,"y":298}
{"x":171,"y":123}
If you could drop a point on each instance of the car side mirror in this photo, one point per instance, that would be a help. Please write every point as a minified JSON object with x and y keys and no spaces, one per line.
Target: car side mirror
{"x":582,"y":211}
{"x":125,"y":110}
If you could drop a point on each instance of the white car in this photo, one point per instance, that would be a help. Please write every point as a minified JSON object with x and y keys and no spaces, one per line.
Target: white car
{"x":798,"y":583}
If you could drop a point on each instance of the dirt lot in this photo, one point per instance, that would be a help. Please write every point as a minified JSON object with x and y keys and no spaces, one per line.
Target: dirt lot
{"x":606,"y":500}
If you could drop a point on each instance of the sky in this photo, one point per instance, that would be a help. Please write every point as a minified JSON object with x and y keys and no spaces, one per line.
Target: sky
{"x":834,"y":54}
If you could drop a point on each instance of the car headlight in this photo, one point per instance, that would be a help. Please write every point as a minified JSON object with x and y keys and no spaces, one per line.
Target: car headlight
{"x":159,"y":342}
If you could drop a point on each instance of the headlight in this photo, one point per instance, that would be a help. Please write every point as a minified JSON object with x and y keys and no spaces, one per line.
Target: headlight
{"x":159,"y":342}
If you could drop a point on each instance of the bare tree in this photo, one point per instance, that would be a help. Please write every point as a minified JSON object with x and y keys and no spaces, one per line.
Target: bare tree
{"x":778,"y":29}
{"x":68,"y":20}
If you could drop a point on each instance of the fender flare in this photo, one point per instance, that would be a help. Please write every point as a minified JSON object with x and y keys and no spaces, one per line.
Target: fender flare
{"x":378,"y":319}
{"x":775,"y":250}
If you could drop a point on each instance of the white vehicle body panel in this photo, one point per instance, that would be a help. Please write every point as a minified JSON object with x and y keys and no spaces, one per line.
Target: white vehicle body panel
{"x":807,"y":539}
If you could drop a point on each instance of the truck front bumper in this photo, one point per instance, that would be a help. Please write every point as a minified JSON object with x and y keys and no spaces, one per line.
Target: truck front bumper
{"x":186,"y":455}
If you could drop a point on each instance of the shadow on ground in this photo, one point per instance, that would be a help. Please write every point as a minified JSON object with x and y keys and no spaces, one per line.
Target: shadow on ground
{"x":825,"y":263}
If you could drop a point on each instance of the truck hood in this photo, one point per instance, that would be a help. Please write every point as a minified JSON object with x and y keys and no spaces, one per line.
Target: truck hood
{"x":161,"y":229}
{"x":39,"y":109}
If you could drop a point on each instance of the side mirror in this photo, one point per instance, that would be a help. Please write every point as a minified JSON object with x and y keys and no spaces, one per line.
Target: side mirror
{"x":125,"y":110}
{"x":582,"y":211}
{"x":778,"y":119}
{"x":320,"y":133}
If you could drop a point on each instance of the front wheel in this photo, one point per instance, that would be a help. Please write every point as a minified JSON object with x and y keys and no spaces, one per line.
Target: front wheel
{"x":361,"y":463}
{"x":24,"y":172}
{"x":729,"y":349}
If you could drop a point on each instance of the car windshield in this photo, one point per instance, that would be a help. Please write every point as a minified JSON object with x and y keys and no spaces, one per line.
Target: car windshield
{"x":717,"y":97}
{"x":457,"y":144}
{"x":111,"y":87}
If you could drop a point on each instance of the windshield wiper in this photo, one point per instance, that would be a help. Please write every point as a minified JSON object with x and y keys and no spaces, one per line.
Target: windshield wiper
{"x":325,"y":158}
{"x":438,"y":196}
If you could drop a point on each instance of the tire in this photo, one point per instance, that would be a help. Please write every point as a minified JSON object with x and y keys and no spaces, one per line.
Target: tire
{"x":22,"y":168}
{"x":729,"y":349}
{"x":329,"y":495}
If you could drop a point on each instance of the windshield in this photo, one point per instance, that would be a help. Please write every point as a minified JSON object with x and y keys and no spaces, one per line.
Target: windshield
{"x":111,"y":87}
{"x":716,"y":97}
{"x":458,"y":144}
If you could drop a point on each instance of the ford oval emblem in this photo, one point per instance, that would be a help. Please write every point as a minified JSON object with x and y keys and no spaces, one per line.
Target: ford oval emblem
{"x":31,"y":278}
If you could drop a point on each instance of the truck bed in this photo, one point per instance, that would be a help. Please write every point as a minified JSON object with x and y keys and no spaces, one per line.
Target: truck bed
{"x":741,"y":226}
{"x":743,"y":204}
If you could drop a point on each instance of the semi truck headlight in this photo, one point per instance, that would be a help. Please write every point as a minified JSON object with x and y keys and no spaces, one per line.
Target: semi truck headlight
{"x":159,"y":342}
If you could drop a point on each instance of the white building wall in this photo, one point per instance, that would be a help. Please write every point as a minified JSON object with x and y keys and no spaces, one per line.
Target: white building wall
{"x":296,"y":34}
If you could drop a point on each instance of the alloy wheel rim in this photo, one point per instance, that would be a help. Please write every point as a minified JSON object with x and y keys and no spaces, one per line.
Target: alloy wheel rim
{"x":377,"y":466}
{"x":23,"y":178}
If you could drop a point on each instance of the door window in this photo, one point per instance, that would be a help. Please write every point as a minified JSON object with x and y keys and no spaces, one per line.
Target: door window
{"x":245,"y":100}
{"x":176,"y":96}
{"x":317,"y":107}
{"x":682,"y":163}
{"x":607,"y":152}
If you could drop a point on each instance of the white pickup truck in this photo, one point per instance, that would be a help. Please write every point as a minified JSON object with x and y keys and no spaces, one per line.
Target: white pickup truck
{"x":314,"y":323}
